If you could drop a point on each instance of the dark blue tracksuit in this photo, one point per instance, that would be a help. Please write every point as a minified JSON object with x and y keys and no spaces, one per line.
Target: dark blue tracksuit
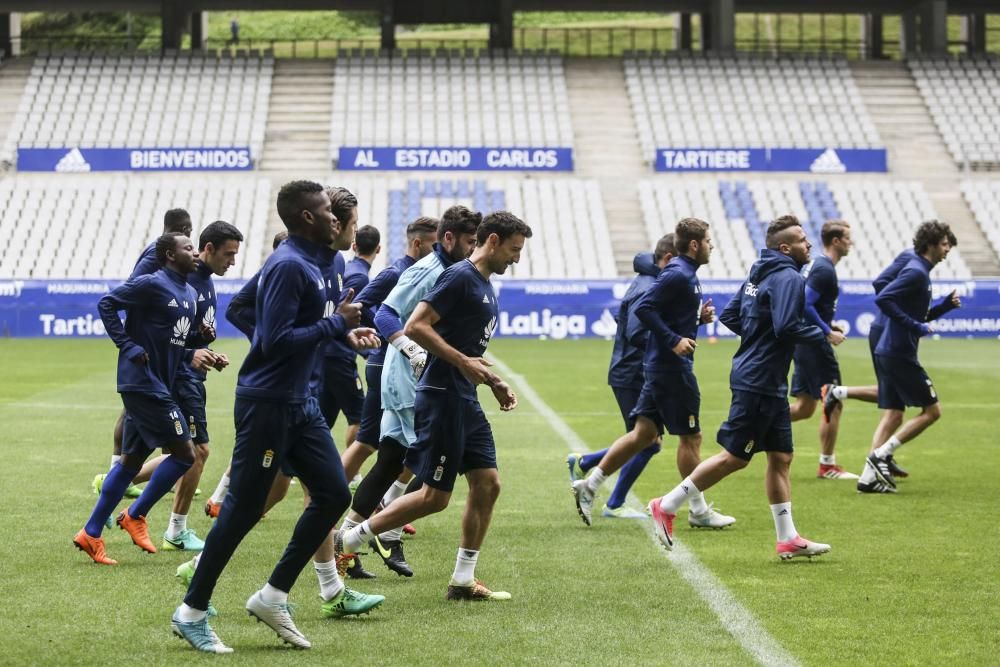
{"x":147,"y":262}
{"x":767,"y":314}
{"x":277,"y":419}
{"x":189,"y":389}
{"x":816,"y":365}
{"x":341,"y":389}
{"x":905,"y":302}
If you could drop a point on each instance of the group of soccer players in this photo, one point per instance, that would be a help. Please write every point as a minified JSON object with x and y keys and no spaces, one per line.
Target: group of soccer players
{"x":784,"y":310}
{"x":307,"y":313}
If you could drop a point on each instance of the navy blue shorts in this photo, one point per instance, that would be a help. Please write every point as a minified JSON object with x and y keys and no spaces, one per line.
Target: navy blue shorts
{"x":672,"y":401}
{"x":151,"y":421}
{"x":627,"y":398}
{"x":342,"y":391}
{"x":815,"y":366}
{"x":371,"y":410}
{"x":191,"y":397}
{"x":874,"y":334}
{"x":453,"y":437}
{"x":902,"y":383}
{"x":756,"y":423}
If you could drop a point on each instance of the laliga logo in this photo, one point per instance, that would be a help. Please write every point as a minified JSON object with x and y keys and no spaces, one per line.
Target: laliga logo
{"x":209,"y":318}
{"x":606,"y":326}
{"x":863,"y":323}
{"x":181,"y":329}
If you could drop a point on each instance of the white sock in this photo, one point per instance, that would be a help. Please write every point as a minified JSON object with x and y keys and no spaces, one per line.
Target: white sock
{"x":347,"y":524}
{"x":839,"y":393}
{"x":272,"y":595}
{"x":394,"y":535}
{"x":330,"y":583}
{"x":222,"y":489}
{"x":178,"y":524}
{"x":357,"y":536}
{"x":680,"y":493}
{"x":595,"y":479}
{"x":697,"y":504}
{"x":889,"y":448}
{"x":395,"y":491}
{"x":188,"y":614}
{"x":465,"y":567}
{"x":115,"y":458}
{"x":783,"y":524}
{"x":828,"y":459}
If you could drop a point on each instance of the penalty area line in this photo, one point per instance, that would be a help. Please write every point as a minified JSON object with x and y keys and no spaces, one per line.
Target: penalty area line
{"x":733,"y":616}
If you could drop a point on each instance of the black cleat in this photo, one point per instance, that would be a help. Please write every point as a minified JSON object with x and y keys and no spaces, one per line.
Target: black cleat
{"x":895,"y":469}
{"x":392,"y":555}
{"x":875,"y":486}
{"x":830,"y":402}
{"x":880,"y":467}
{"x":357,"y":571}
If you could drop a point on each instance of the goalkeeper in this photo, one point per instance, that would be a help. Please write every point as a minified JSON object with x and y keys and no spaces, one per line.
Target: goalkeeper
{"x":404,"y":362}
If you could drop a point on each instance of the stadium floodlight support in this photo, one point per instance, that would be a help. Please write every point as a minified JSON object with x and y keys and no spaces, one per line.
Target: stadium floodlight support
{"x":10,"y":35}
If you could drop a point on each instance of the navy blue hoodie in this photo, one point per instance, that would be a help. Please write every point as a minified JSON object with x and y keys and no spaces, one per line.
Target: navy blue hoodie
{"x":625,"y":370}
{"x":905,"y":302}
{"x":160,"y":308}
{"x":671,"y":310}
{"x":290,"y":326}
{"x":372,"y":296}
{"x":147,"y":262}
{"x":767,"y":313}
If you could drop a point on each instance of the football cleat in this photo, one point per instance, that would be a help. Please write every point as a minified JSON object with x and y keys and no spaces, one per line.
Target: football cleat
{"x":663,"y":523}
{"x":875,"y":486}
{"x":584,"y":498}
{"x":391,"y":552}
{"x":350,"y":603}
{"x":573,"y":463}
{"x":199,"y":635}
{"x":132,"y":491}
{"x":622,"y":512}
{"x":358,"y":571}
{"x":880,"y":467}
{"x":212,"y":509}
{"x":476,"y":592}
{"x":895,"y":469}
{"x":184,"y":574}
{"x":409,"y":529}
{"x":93,"y":547}
{"x":827,"y":471}
{"x":799,"y":547}
{"x":278,"y":618}
{"x":710,"y":519}
{"x":138,"y":530}
{"x":830,"y":402}
{"x":344,"y":560}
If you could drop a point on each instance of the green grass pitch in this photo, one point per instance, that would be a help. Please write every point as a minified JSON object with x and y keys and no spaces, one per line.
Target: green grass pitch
{"x":911,"y":579}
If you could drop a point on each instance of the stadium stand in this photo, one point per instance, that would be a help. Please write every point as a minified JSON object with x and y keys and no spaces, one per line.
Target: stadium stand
{"x":97,"y":225}
{"x":454,"y":99}
{"x":963,"y":96}
{"x":189,"y":101}
{"x":984,"y":200}
{"x":883,"y":214}
{"x":689,"y":101}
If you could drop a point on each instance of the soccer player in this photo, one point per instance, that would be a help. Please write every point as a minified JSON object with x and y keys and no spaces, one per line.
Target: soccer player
{"x":671,"y":310}
{"x":277,"y":420}
{"x":218,"y":245}
{"x":767,"y":314}
{"x":404,"y":362}
{"x":151,"y":347}
{"x":902,"y":380}
{"x":816,"y":367}
{"x":454,"y":323}
{"x":625,"y":380}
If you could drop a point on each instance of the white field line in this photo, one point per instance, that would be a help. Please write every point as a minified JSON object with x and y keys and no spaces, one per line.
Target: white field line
{"x":733,"y":616}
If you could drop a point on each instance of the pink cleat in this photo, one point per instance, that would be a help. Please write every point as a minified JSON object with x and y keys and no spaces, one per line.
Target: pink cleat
{"x":663,"y":523}
{"x":800,"y":546}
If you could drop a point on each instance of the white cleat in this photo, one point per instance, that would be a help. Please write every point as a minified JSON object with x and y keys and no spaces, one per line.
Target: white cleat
{"x":710,"y":519}
{"x":277,"y":617}
{"x":800,"y":547}
{"x":584,"y":500}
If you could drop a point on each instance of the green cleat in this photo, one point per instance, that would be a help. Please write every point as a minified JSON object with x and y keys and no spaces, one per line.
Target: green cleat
{"x":622,"y":512}
{"x":350,"y":603}
{"x":185,"y":572}
{"x":132,"y":491}
{"x":186,"y":541}
{"x":573,"y":463}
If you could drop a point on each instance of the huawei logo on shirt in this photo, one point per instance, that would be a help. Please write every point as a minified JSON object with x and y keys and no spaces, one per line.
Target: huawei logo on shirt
{"x":181,"y":329}
{"x":209,"y":318}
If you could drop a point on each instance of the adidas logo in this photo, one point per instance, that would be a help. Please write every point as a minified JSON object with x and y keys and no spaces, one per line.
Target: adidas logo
{"x":173,"y":303}
{"x":73,"y":162}
{"x":486,"y":299}
{"x":201,"y":297}
{"x":828,"y":163}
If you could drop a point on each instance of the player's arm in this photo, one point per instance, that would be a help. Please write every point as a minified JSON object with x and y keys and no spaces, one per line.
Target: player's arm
{"x":787,"y":304}
{"x":811,"y":314}
{"x":888,"y":300}
{"x":420,"y":327}
{"x":240,"y":311}
{"x":944,"y":306}
{"x":278,"y":296}
{"x":133,"y":292}
{"x":635,"y":333}
{"x":730,"y":316}
{"x":374,"y":293}
{"x":390,"y":326}
{"x":654,"y":302}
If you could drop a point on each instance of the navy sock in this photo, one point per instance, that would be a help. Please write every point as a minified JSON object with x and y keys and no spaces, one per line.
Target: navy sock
{"x":166,"y":474}
{"x":628,"y":474}
{"x":588,"y":461}
{"x":112,"y":491}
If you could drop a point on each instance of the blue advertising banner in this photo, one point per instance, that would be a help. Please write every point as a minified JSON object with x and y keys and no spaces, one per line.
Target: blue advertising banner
{"x":528,"y":309}
{"x":813,"y":160}
{"x":82,"y":160}
{"x":372,"y":158}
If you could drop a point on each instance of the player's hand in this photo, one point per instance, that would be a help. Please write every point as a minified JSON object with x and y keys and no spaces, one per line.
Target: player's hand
{"x":837,"y":327}
{"x":476,"y":370}
{"x":140,"y":357}
{"x":954,"y":299}
{"x":505,"y":395}
{"x":707,"y":312}
{"x":927,"y":328}
{"x":207,"y":333}
{"x":685,"y":347}
{"x":351,"y":312}
{"x":835,"y":337}
{"x":363,"y":338}
{"x":204,"y":360}
{"x":221,"y":361}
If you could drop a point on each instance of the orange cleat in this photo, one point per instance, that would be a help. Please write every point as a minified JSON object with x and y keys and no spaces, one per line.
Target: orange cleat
{"x":93,"y":547}
{"x":212,"y":509}
{"x":137,"y":529}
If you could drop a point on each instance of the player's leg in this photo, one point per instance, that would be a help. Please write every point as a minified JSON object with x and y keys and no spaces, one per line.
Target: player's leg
{"x":132,"y":491}
{"x":803,"y":407}
{"x":192,"y":399}
{"x":148,"y":468}
{"x":803,"y":376}
{"x":214,"y":503}
{"x":627,"y":398}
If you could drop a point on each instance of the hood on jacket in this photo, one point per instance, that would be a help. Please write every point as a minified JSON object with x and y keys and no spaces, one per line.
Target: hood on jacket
{"x":644,"y":264}
{"x":770,"y":261}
